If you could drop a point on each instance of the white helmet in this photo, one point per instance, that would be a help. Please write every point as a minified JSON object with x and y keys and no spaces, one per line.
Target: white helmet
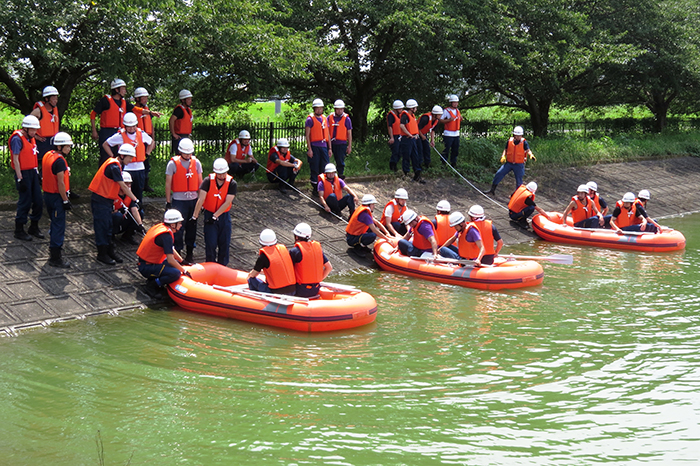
{"x":172,"y":216}
{"x":338,"y":104}
{"x":437,"y":110}
{"x":368,"y":199}
{"x":130,"y":119}
{"x":628,"y":197}
{"x":117,"y":83}
{"x":127,"y":150}
{"x":453,"y":98}
{"x":398,"y":105}
{"x":476,"y":211}
{"x":592,"y":186}
{"x":186,"y":146}
{"x":268,"y":237}
{"x":408,"y":216}
{"x":184,"y":94}
{"x":532,"y":187}
{"x":582,"y":188}
{"x":303,"y":230}
{"x":49,"y":91}
{"x":62,"y":139}
{"x":330,"y":168}
{"x":126,"y":177}
{"x":456,"y":218}
{"x":317,"y":103}
{"x":401,"y":194}
{"x":31,"y":122}
{"x":282,"y":142}
{"x":220,"y":165}
{"x":518,"y":131}
{"x":644,"y":194}
{"x":443,"y":206}
{"x":140,"y":92}
{"x":244,"y":134}
{"x":410,"y":103}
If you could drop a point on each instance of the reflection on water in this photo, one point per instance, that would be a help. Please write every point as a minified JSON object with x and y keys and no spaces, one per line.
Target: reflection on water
{"x":600,"y":364}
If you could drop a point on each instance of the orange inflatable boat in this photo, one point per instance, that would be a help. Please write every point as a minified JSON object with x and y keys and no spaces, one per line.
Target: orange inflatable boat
{"x":503,"y":274}
{"x":221,"y":291}
{"x":553,"y":230}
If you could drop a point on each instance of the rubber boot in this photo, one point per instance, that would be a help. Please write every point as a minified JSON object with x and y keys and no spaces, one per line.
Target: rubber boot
{"x":128,"y":238}
{"x":34,"y":230}
{"x":392,"y":167}
{"x":189,"y":259}
{"x":20,"y":233}
{"x":492,"y":190}
{"x":56,"y":259}
{"x":103,"y":257}
{"x":113,"y":254}
{"x":147,"y":187}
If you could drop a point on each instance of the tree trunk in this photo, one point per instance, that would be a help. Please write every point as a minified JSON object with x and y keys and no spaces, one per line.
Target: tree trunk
{"x":658,"y":105}
{"x":360,"y":109}
{"x":539,"y":115}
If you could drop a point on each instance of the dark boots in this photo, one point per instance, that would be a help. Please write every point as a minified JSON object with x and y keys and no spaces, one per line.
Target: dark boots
{"x":34,"y":230}
{"x":492,"y":190}
{"x":128,"y":238}
{"x":189,"y":257}
{"x":103,"y":255}
{"x":56,"y":259}
{"x":20,"y":233}
{"x":113,"y":254}
{"x":147,"y":187}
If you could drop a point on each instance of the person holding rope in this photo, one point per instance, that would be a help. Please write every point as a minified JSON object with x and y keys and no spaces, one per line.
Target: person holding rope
{"x":311,"y":265}
{"x":515,"y":154}
{"x":282,"y":167}
{"x":330,"y":192}
{"x":522,"y":204}
{"x":126,"y":218}
{"x":158,"y":260}
{"x":275,"y":261}
{"x":471,"y":246}
{"x":363,"y":229}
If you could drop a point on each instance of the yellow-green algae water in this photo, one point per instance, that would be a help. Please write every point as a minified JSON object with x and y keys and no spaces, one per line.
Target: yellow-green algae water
{"x":600,"y":364}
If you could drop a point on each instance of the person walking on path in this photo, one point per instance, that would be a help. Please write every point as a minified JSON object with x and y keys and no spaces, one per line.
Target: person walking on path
{"x":452,"y":119}
{"x":24,"y":162}
{"x":409,"y":142}
{"x":330,"y":192}
{"x":180,"y":123}
{"x":275,"y":261}
{"x":426,"y":130}
{"x":340,"y":128}
{"x":49,"y":119}
{"x":158,"y":261}
{"x":393,"y":128}
{"x":311,"y":266}
{"x":145,"y":117}
{"x":318,"y":141}
{"x":111,"y":109}
{"x":239,"y":155}
{"x":514,"y":156}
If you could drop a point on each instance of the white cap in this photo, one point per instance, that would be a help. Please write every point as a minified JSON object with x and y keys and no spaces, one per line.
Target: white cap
{"x":592,"y":186}
{"x":411,"y":103}
{"x":398,"y":105}
{"x":303,"y":230}
{"x":117,"y":83}
{"x":185,"y":146}
{"x":456,"y":218}
{"x":453,"y":98}
{"x":317,"y":103}
{"x":443,"y":206}
{"x":268,"y":237}
{"x":628,"y":197}
{"x":368,"y":199}
{"x":184,"y":94}
{"x":408,"y":216}
{"x":172,"y":216}
{"x":437,"y":110}
{"x":582,"y":188}
{"x":140,"y":92}
{"x":220,"y":165}
{"x":532,"y":187}
{"x":401,"y":194}
{"x":31,"y":122}
{"x":62,"y":139}
{"x":130,"y":119}
{"x":518,"y":131}
{"x":644,"y":194}
{"x":127,"y":150}
{"x":330,"y":168}
{"x":49,"y":91}
{"x":338,"y":104}
{"x":476,"y":211}
{"x":126,"y":177}
{"x":282,"y":142}
{"x":244,"y":134}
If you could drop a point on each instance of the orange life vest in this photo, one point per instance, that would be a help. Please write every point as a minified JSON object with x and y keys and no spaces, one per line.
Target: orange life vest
{"x":148,"y":250}
{"x":139,"y":147}
{"x":443,"y":230}
{"x":27,"y":156}
{"x":432,"y":123}
{"x":113,"y":116}
{"x":412,"y":125}
{"x":145,"y":121}
{"x":216,"y":196}
{"x":626,"y":217}
{"x":49,"y":181}
{"x":120,"y":202}
{"x":310,"y":269}
{"x":331,"y":187}
{"x":453,"y":125}
{"x":637,"y":219}
{"x":582,"y":212}
{"x":241,"y":152}
{"x":184,"y":125}
{"x":185,"y":179}
{"x":515,"y":153}
{"x":319,"y":129}
{"x":419,"y":241}
{"x":49,"y":121}
{"x":596,"y":200}
{"x":103,"y":186}
{"x":337,"y":129}
{"x":355,"y":227}
{"x":398,"y":212}
{"x":271,"y":166}
{"x":280,"y":273}
{"x":396,"y":126}
{"x":486,"y":229}
{"x":517,"y":200}
{"x":467,"y":249}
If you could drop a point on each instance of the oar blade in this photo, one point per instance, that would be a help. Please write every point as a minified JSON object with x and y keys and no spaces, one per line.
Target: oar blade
{"x":565,"y":259}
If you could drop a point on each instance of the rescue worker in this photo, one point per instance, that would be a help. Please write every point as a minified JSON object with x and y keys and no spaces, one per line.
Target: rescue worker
{"x":111,"y":109}
{"x":311,"y":265}
{"x":443,"y":230}
{"x":393,"y":128}
{"x":363,"y":228}
{"x":318,"y":141}
{"x":180,"y":123}
{"x":105,"y":187}
{"x":183,"y":177}
{"x":583,"y":210}
{"x":216,"y":195}
{"x":452,"y":119}
{"x":641,"y":205}
{"x":599,"y":202}
{"x":158,"y":261}
{"x":468,"y":237}
{"x":145,"y":117}
{"x":409,"y":141}
{"x":426,"y":126}
{"x":515,"y":154}
{"x":143,"y":145}
{"x":239,"y":156}
{"x":488,"y":233}
{"x":56,"y":185}
{"x":628,"y":217}
{"x":282,"y":167}
{"x":393,"y":210}
{"x":23,"y":159}
{"x":49,"y":119}
{"x":126,"y":219}
{"x":340,"y":129}
{"x":330,"y":192}
{"x":275,"y":261}
{"x":522,"y":204}
{"x":423,"y":235}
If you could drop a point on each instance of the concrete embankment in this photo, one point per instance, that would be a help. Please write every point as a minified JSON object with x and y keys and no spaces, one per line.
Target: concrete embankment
{"x":33,"y":294}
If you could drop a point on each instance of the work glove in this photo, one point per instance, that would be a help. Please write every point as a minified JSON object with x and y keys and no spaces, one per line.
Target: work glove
{"x":136,"y":204}
{"x":503,"y":159}
{"x":168,"y":205}
{"x":187,"y":273}
{"x":22,"y":186}
{"x":533,"y":158}
{"x":67,"y":206}
{"x":142,"y":230}
{"x":122,"y":210}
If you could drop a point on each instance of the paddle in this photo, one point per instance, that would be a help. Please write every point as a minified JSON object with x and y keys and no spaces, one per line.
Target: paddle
{"x":269,"y":297}
{"x":566,"y":259}
{"x":339,"y":287}
{"x":623,"y":232}
{"x":445,"y":260}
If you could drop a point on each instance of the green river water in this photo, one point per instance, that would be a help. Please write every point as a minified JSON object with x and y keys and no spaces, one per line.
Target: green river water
{"x":600,"y":364}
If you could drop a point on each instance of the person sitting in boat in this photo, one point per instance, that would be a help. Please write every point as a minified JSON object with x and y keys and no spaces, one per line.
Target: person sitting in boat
{"x":275,"y":260}
{"x":363,"y":229}
{"x":583,"y":210}
{"x":158,"y":260}
{"x":641,"y":205}
{"x":443,"y":230}
{"x":595,"y":197}
{"x":626,"y":213}
{"x":330,"y":191}
{"x":522,"y":204}
{"x":423,"y":235}
{"x":393,"y":210}
{"x":488,"y":233}
{"x":311,"y":265}
{"x":126,"y":218}
{"x":468,"y":237}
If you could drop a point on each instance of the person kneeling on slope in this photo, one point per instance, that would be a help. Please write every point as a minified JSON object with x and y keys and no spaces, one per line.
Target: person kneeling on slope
{"x":311,"y":265}
{"x":157,"y":258}
{"x":275,"y":261}
{"x":522,"y":204}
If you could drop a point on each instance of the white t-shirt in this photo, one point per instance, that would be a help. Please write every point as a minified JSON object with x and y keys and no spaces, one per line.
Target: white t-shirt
{"x":117,"y":140}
